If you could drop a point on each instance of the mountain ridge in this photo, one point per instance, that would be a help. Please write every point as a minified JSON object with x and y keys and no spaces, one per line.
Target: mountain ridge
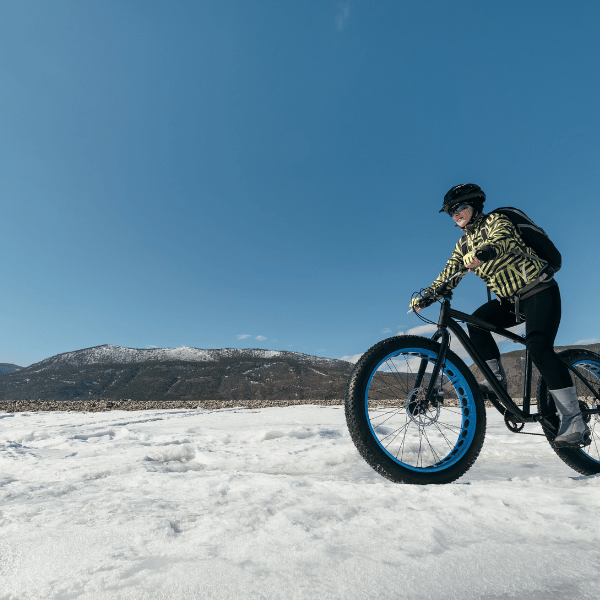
{"x":111,"y":354}
{"x":177,"y":374}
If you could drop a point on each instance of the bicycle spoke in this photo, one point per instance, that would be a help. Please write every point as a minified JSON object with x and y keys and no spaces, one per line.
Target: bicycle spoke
{"x":402,"y":444}
{"x":396,"y":432}
{"x":437,"y":458}
{"x":391,"y":416}
{"x":453,"y":428}
{"x":444,"y":436}
{"x":414,"y":431}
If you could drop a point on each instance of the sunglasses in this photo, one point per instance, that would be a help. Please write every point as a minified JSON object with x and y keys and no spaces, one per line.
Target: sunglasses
{"x":458,"y":208}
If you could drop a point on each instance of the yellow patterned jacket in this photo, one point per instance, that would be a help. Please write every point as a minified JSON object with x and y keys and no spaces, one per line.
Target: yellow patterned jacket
{"x":505,"y":273}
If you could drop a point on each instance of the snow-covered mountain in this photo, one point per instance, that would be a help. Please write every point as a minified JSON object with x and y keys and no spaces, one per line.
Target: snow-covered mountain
{"x":109,"y":354}
{"x":160,"y":374}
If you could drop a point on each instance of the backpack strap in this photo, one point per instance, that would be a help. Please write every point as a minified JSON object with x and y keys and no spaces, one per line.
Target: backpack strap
{"x":529,"y":290}
{"x":484,"y":232}
{"x":484,"y":235}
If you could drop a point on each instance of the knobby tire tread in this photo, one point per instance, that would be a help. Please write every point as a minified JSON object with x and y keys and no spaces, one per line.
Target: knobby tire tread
{"x":359,"y":428}
{"x":574,"y":457}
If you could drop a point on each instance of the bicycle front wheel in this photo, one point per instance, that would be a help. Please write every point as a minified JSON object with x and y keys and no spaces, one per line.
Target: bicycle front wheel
{"x":397,"y":431}
{"x":584,"y":460}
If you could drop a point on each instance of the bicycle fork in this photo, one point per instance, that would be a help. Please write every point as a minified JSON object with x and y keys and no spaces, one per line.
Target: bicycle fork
{"x":442,"y":332}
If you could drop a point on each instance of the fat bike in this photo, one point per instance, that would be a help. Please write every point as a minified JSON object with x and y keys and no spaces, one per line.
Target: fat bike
{"x":416,"y":414}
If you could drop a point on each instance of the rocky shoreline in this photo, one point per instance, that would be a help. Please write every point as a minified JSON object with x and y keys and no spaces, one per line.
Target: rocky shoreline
{"x":102,"y":405}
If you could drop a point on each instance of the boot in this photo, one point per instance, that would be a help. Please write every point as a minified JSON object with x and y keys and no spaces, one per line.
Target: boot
{"x":498,"y":370}
{"x":573,"y":431}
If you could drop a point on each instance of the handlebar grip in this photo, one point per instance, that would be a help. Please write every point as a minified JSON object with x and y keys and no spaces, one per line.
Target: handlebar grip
{"x":440,"y":291}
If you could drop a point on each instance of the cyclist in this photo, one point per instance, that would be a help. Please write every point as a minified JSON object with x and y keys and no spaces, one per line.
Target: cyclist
{"x":524,"y":288}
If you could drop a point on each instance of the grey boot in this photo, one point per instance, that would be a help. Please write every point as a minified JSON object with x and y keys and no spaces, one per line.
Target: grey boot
{"x":498,"y":370}
{"x":572,"y":431}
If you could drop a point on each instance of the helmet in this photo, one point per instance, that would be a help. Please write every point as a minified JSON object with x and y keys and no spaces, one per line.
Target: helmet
{"x":468,"y":193}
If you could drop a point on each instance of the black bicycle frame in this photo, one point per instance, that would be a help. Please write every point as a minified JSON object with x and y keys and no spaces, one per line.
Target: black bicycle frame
{"x":448,"y":322}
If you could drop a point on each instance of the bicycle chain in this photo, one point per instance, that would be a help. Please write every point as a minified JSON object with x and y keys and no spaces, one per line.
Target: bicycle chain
{"x":515,"y":424}
{"x":529,"y":433}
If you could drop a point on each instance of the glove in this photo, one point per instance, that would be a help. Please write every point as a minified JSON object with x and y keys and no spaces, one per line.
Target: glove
{"x":485,"y":253}
{"x":414,"y":303}
{"x":468,"y":258}
{"x":421,"y":302}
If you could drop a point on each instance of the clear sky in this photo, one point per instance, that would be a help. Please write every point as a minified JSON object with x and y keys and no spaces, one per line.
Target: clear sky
{"x":220,"y":173}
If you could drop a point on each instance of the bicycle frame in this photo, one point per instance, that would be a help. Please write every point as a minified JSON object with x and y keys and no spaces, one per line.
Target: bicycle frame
{"x":448,"y":322}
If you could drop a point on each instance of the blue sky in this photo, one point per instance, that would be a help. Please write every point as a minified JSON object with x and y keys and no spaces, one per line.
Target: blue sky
{"x":268,"y":174}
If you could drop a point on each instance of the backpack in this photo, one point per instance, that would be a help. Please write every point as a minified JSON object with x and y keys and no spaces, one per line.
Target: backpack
{"x":533,"y":236}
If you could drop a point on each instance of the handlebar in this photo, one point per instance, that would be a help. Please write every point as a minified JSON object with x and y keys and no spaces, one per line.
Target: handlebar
{"x":439,"y":291}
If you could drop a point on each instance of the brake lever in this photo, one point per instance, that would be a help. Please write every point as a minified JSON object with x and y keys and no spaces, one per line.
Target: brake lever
{"x":433,"y":299}
{"x":443,"y":287}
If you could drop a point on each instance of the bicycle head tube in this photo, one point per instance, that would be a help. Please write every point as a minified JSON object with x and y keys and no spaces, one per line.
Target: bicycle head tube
{"x":445,"y":311}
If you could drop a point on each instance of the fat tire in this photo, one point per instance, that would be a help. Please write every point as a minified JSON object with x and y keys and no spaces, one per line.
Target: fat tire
{"x":358,"y":420}
{"x":580,"y":459}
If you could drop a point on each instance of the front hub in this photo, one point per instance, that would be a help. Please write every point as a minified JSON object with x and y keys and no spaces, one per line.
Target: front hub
{"x":421,"y":412}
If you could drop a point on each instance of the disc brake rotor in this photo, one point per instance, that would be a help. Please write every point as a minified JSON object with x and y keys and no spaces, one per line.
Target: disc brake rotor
{"x":419,"y":411}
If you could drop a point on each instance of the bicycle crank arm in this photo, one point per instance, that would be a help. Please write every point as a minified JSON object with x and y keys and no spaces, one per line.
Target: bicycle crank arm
{"x":547,"y":425}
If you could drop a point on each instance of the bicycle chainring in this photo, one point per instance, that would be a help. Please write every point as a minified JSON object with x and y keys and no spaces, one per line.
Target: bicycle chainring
{"x":512,"y":423}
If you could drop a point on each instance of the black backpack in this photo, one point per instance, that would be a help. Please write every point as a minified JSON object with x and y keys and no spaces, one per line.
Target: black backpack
{"x":533,"y":236}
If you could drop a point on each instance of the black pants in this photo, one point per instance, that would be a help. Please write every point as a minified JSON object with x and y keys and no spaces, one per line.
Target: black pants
{"x":542,"y":316}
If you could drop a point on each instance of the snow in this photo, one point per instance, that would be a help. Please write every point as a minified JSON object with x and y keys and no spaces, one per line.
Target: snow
{"x":277,"y":503}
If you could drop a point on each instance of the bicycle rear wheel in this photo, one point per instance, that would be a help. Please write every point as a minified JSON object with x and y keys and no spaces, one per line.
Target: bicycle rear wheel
{"x":584,"y":460}
{"x":401,"y":435}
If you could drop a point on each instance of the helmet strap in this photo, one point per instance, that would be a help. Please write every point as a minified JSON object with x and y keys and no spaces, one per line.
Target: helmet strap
{"x":469,"y":227}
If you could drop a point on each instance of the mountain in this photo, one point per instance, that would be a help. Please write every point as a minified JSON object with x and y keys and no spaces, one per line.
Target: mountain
{"x":160,"y":374}
{"x":8,"y":368}
{"x":193,"y":374}
{"x":514,"y":365}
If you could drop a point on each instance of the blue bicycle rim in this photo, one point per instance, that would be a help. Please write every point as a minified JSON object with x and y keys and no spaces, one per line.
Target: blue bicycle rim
{"x":593,"y":368}
{"x":467,"y":408}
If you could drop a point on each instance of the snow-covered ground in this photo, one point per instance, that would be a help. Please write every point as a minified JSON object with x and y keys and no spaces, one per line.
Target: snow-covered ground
{"x":277,"y":503}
